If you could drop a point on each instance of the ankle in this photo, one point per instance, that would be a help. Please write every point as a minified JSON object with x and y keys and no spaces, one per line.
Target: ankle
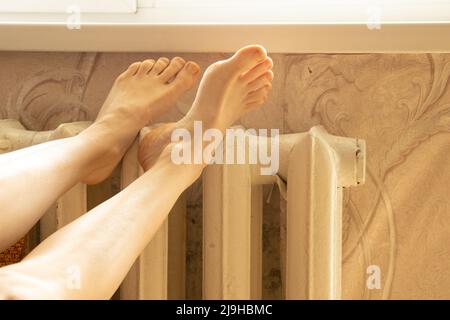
{"x":106,"y":141}
{"x":113,"y":131}
{"x":189,"y":169}
{"x":101,"y":153}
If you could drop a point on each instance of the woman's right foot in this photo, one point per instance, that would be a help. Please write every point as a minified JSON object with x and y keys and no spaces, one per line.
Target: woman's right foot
{"x":228,"y":89}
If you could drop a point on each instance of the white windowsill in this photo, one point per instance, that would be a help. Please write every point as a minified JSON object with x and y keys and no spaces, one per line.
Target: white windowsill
{"x":312,"y":29}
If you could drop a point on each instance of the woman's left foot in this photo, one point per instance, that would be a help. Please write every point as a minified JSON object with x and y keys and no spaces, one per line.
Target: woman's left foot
{"x":139,"y":95}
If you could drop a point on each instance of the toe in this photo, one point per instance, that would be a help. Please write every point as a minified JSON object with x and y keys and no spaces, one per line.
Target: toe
{"x":257,"y":98}
{"x":264,"y":80}
{"x":187,"y":77}
{"x":146,"y":66}
{"x":259,"y":95}
{"x":253,"y":105}
{"x":175,"y":65}
{"x":159,"y":66}
{"x":247,"y":57}
{"x":131,"y":71}
{"x":258,"y":70}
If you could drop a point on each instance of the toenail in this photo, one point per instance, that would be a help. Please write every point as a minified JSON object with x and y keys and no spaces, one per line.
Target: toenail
{"x":192,"y":68}
{"x":163,"y":61}
{"x":179,"y":60}
{"x":135,"y":65}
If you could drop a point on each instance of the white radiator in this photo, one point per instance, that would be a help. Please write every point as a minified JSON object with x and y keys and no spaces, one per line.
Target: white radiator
{"x":314,"y":167}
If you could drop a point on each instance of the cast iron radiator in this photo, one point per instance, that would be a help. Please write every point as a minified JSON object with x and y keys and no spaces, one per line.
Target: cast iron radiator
{"x":314,"y":168}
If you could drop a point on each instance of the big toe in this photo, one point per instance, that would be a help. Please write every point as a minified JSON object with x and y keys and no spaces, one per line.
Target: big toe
{"x":187,"y":77}
{"x":248,"y":57}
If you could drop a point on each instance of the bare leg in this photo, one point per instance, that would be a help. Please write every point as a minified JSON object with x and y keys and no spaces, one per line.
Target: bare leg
{"x":102,"y":244}
{"x":33,"y":178}
{"x":105,"y":242}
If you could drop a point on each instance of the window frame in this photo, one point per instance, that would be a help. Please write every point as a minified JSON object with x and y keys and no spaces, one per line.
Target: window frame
{"x":63,"y":6}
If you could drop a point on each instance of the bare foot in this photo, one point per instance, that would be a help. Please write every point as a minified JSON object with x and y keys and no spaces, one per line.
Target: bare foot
{"x":140,"y":94}
{"x":228,"y":89}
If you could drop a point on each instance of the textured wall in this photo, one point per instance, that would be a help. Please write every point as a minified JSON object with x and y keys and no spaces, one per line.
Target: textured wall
{"x":399,"y":103}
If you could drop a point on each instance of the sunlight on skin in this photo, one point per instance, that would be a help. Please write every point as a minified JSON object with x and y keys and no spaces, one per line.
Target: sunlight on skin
{"x":111,"y":236}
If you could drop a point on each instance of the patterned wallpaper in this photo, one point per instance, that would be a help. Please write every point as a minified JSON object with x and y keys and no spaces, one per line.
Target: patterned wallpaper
{"x":400,"y":104}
